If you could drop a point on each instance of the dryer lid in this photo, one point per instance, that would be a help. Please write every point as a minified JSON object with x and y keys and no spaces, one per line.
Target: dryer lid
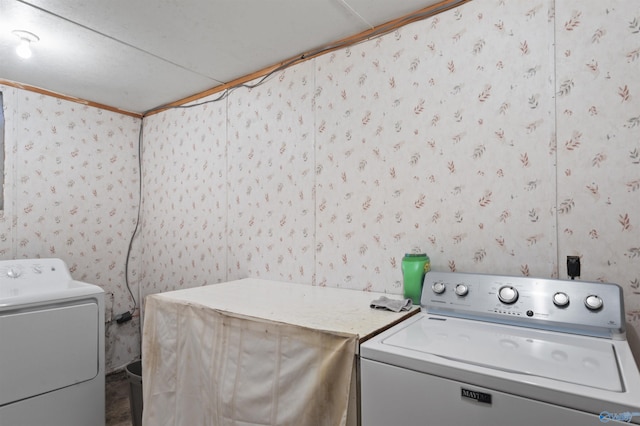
{"x":581,"y":360}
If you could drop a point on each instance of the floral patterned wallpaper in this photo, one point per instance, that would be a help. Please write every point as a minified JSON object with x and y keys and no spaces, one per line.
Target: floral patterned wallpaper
{"x":271,"y":177}
{"x":498,"y":137}
{"x":340,"y":165}
{"x":459,"y":135}
{"x":185,"y":195}
{"x":598,"y":143}
{"x":436,"y":138}
{"x":71,"y":192}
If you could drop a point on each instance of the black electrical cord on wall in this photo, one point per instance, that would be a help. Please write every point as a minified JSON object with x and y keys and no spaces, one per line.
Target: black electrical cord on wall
{"x":129,"y":314}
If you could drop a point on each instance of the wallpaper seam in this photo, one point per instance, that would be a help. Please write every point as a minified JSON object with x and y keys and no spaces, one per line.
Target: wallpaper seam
{"x":13,"y":215}
{"x":226,"y":189}
{"x":315,"y":175}
{"x":555,"y":134}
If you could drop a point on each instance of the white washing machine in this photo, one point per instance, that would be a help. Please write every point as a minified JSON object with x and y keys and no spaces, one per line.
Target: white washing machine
{"x":497,"y":350}
{"x":51,"y":346}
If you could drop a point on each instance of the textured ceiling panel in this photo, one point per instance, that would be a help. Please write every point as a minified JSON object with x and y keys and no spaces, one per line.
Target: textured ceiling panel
{"x":137,"y":55}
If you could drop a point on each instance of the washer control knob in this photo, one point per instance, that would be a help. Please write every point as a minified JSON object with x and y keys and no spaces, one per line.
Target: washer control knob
{"x":593,"y":302}
{"x":508,"y":294}
{"x":561,"y":299}
{"x":438,"y":287}
{"x":13,"y":273}
{"x":461,"y":289}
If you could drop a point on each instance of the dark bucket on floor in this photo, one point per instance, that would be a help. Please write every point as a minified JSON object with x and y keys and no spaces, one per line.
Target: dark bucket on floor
{"x":134,"y":373}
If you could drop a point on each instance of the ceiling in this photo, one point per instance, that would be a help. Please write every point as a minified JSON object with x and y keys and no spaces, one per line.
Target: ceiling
{"x":136,"y":55}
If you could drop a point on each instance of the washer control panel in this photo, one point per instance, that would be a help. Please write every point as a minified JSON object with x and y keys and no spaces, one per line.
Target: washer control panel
{"x":580,"y":307}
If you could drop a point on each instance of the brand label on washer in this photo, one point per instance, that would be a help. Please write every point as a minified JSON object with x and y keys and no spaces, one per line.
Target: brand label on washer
{"x":478,"y":396}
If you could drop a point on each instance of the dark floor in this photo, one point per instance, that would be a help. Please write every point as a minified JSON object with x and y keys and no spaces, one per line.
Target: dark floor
{"x":118,"y":412}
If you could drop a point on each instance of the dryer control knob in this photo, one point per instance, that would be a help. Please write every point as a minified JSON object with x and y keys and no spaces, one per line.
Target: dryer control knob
{"x":561,"y":299}
{"x":438,"y":287}
{"x":13,"y":273}
{"x":593,"y":302}
{"x":461,"y":289}
{"x":508,"y":294}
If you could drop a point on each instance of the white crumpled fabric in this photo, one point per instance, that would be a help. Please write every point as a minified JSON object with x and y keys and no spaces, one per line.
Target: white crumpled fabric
{"x":203,"y":366}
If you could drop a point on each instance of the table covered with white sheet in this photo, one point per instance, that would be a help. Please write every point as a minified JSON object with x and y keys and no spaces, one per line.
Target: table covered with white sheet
{"x":256,"y":352}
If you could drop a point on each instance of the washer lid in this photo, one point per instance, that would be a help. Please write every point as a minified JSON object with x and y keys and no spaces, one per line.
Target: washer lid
{"x":569,"y":358}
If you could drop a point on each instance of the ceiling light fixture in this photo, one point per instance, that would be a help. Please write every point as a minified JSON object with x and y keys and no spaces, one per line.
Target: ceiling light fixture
{"x":26,"y":38}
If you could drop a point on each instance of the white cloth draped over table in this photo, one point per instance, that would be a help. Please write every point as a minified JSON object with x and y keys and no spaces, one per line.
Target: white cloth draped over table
{"x":208,"y":362}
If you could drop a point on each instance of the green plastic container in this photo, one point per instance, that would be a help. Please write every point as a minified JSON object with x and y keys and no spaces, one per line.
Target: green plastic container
{"x":414,"y":268}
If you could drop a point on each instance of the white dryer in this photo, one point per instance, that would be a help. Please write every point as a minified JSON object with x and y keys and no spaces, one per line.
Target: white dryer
{"x":496,"y":351}
{"x":51,"y":346}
